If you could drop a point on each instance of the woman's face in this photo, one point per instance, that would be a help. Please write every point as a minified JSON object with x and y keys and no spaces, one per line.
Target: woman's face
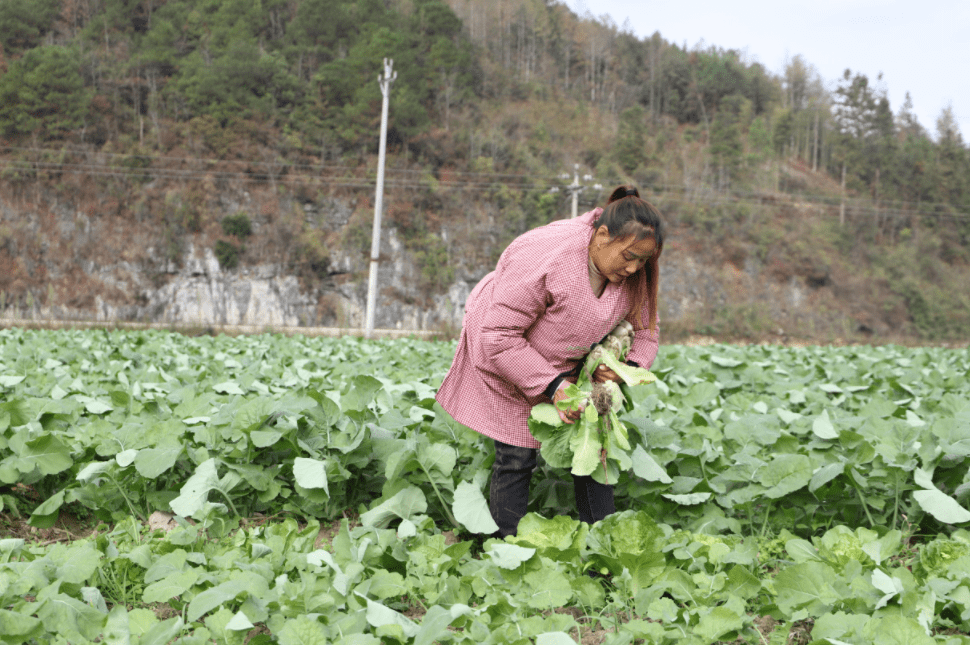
{"x":620,"y":258}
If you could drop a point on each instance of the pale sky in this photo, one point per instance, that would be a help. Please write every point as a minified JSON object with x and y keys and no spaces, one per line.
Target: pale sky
{"x":921,"y":47}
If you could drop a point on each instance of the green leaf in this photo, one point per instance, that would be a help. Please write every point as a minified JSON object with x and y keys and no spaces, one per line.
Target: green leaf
{"x":47,"y":454}
{"x":550,"y":589}
{"x":9,"y":380}
{"x":555,"y":449}
{"x":116,"y":629}
{"x":471,"y":509}
{"x":717,"y":622}
{"x":785,"y":474}
{"x":823,"y":428}
{"x":894,"y":629}
{"x":387,"y":584}
{"x":646,"y":467}
{"x":228,"y":387}
{"x":941,"y":506}
{"x":265,"y":438}
{"x":554,"y":638}
{"x":18,"y":628}
{"x":152,"y":462}
{"x":51,"y":505}
{"x":195,"y":492}
{"x":403,"y":505}
{"x":379,"y":615}
{"x":71,"y":618}
{"x":126,"y":457}
{"x":825,"y":474}
{"x":585,"y":444}
{"x":311,"y":473}
{"x":13,"y":414}
{"x":162,"y":633}
{"x":94,"y":406}
{"x":701,"y":394}
{"x":239,"y":622}
{"x":509,"y":556}
{"x":806,"y":586}
{"x":214,"y":597}
{"x":434,"y":625}
{"x":140,"y":621}
{"x":834,"y":626}
{"x":726,"y":362}
{"x":169,"y":587}
{"x":954,"y":435}
{"x":631,"y":375}
{"x":77,"y":564}
{"x":166,"y":565}
{"x":93,"y":469}
{"x":689,"y":499}
{"x":302,"y":630}
{"x":438,"y":457}
{"x":360,"y":393}
{"x":546,"y":413}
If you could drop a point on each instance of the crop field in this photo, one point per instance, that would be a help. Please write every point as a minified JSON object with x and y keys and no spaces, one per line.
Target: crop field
{"x":773,"y":495}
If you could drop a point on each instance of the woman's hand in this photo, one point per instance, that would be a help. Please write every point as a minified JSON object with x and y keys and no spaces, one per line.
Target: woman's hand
{"x":602,"y":374}
{"x":567,"y":416}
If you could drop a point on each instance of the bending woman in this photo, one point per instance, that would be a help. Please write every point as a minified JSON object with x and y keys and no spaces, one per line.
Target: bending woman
{"x":556,"y":291}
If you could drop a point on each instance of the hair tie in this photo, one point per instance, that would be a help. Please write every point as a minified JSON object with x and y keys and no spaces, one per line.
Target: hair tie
{"x":631,"y":192}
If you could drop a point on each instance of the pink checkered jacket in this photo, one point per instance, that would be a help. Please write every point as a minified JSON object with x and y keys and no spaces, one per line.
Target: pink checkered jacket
{"x":526,"y":323}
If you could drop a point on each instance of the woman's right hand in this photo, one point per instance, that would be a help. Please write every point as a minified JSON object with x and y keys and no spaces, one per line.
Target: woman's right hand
{"x":567,"y":416}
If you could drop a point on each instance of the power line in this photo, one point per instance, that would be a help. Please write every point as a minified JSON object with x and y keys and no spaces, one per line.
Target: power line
{"x":413,"y":179}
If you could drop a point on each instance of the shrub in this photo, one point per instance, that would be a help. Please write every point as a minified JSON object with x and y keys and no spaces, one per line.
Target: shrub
{"x":228,"y":254}
{"x":237,"y":225}
{"x":311,"y":253}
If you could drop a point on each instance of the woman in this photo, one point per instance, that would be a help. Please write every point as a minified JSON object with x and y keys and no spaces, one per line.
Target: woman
{"x":556,"y":291}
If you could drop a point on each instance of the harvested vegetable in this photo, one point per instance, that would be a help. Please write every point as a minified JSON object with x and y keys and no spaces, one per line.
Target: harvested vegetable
{"x":597,"y":444}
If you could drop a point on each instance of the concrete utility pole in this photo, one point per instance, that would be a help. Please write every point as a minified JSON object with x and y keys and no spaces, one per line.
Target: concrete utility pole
{"x":375,"y":246}
{"x":575,"y":188}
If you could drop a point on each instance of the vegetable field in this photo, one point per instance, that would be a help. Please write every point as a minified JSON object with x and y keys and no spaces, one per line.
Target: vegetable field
{"x":773,"y":495}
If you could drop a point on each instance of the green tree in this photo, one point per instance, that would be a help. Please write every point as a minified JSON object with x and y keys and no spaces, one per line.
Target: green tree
{"x":759,"y":139}
{"x":434,"y":65}
{"x":953,"y":161}
{"x":856,"y":115}
{"x":24,"y":22}
{"x":726,"y":139}
{"x":43,"y":92}
{"x":241,"y":81}
{"x":782,"y":131}
{"x":631,"y":139}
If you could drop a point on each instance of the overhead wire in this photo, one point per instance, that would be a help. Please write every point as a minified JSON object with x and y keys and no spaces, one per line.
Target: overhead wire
{"x":343,"y":176}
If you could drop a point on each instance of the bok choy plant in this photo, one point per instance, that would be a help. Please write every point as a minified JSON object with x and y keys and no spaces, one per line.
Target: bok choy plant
{"x":597,"y":444}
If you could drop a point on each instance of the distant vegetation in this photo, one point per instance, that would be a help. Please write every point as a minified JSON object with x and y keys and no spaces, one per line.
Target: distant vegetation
{"x":499,"y":99}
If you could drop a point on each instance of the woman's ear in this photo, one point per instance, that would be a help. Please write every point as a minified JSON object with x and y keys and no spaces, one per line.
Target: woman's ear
{"x":602,"y":236}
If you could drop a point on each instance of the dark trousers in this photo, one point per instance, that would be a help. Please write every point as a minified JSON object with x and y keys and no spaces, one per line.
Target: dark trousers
{"x":509,"y":490}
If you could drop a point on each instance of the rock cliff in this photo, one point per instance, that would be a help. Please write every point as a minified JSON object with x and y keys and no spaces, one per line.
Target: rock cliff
{"x":118,"y":263}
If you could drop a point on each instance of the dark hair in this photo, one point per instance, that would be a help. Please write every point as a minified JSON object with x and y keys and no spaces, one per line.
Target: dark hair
{"x":625,"y":215}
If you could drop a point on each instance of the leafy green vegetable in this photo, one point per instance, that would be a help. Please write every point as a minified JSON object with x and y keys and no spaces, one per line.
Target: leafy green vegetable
{"x":598,"y":443}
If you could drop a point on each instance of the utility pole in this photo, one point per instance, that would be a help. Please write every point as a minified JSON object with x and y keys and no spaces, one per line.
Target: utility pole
{"x":575,"y":188}
{"x":375,"y":246}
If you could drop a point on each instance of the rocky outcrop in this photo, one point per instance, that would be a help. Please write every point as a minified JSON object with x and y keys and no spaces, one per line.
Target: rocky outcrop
{"x":202,"y":293}
{"x":136,"y":285}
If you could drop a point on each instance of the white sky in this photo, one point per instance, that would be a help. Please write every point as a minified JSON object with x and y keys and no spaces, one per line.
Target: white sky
{"x":920,"y":46}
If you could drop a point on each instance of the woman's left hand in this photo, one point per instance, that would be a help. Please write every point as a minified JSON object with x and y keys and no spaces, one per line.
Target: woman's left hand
{"x":603,"y":373}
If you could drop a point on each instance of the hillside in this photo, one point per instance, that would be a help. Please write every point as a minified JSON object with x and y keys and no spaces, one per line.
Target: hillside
{"x":203,"y":161}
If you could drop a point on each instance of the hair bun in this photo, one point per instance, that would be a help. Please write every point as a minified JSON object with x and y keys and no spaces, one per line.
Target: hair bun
{"x":632,"y":192}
